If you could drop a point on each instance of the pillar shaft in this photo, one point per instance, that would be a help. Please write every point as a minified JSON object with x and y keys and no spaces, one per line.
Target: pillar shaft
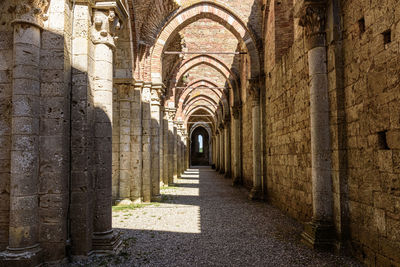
{"x":125,"y":167}
{"x":155,"y":141}
{"x":217,"y":153}
{"x":319,"y":233}
{"x":221,"y":151}
{"x":166,"y":148}
{"x":103,"y":38}
{"x":256,"y":191}
{"x":146,"y":143}
{"x":175,"y":154}
{"x":227,"y":146}
{"x":24,"y":179}
{"x":236,"y":146}
{"x":161,"y":132}
{"x":136,"y":144}
{"x":171,"y":145}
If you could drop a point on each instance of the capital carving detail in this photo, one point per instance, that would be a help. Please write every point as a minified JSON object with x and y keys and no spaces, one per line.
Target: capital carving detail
{"x":171,"y":114}
{"x":105,"y":27}
{"x":313,"y":19}
{"x":31,"y":12}
{"x":236,"y":112}
{"x":254,"y":90}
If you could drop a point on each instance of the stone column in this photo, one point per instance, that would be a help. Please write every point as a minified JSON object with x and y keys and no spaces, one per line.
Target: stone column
{"x":161,"y":131}
{"x":136,"y":143}
{"x":236,"y":145}
{"x":106,"y":22}
{"x":185,"y":151}
{"x":171,"y":146}
{"x":227,"y":146}
{"x":217,"y":146}
{"x":175,"y":152}
{"x":221,"y":150}
{"x":125,"y":167}
{"x":166,"y":147}
{"x":146,"y":143}
{"x":156,"y":92}
{"x":256,"y":191}
{"x":319,"y":233}
{"x":23,"y":243}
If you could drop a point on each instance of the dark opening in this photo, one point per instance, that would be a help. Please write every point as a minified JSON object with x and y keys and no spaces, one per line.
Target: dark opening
{"x":199,"y":150}
{"x":387,"y":37}
{"x":382,"y":141}
{"x":361,"y":25}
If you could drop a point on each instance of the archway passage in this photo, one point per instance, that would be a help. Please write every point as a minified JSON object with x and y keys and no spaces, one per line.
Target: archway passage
{"x":200,"y":149}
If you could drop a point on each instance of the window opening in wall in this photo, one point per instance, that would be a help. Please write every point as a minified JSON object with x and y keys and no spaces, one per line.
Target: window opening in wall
{"x":382,"y":140}
{"x":387,"y":37}
{"x":361,"y":26}
{"x":200,"y":140}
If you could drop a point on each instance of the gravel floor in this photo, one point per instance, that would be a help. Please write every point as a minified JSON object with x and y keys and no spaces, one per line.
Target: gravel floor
{"x":203,"y":221}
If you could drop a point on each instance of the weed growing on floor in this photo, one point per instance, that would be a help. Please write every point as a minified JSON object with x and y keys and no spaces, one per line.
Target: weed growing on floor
{"x":130,"y":207}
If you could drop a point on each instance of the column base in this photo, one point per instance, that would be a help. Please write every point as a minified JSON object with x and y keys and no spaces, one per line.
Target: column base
{"x":156,"y":198}
{"x":106,"y":243}
{"x":255,"y":193}
{"x":236,"y":181}
{"x":319,"y":235}
{"x":123,"y":202}
{"x":15,"y":257}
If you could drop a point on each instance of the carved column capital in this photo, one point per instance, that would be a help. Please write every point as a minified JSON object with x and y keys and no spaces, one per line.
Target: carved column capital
{"x":31,"y":12}
{"x":157,"y":93}
{"x":108,"y":17}
{"x":171,"y":113}
{"x":312,"y":14}
{"x":236,"y":112}
{"x":254,"y":91}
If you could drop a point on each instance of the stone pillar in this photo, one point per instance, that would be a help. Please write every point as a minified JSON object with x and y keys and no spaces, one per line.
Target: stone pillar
{"x":221,"y":150}
{"x":227,"y":146}
{"x":146,"y":143}
{"x":319,"y":233}
{"x":166,"y":147}
{"x":185,"y":151}
{"x":171,"y":145}
{"x":217,"y":146}
{"x":256,"y":191}
{"x":161,"y":131}
{"x":175,"y":153}
{"x":105,"y":24}
{"x":237,"y":179}
{"x":156,"y":92}
{"x":136,"y":144}
{"x":125,"y":168}
{"x":23,"y":243}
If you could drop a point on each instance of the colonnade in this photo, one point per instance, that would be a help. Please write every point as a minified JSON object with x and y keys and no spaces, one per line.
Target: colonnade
{"x":152,"y":143}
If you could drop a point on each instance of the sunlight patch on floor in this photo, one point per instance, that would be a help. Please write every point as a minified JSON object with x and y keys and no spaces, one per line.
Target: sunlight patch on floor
{"x":179,"y":217}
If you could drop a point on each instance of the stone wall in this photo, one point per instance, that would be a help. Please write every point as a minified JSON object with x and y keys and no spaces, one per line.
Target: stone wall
{"x":364,"y":115}
{"x":371,"y":101}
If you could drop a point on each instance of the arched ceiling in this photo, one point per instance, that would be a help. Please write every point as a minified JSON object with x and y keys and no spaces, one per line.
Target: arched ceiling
{"x":202,"y":86}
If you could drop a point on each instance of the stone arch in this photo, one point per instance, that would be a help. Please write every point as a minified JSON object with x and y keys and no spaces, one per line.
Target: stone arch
{"x":201,"y":107}
{"x":196,"y":99}
{"x":215,"y":12}
{"x":218,"y":66}
{"x":209,"y":60}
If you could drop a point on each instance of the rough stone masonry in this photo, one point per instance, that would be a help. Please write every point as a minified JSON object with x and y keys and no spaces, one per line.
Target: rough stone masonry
{"x":102,"y":103}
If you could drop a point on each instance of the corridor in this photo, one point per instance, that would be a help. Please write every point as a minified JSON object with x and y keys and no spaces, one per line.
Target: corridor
{"x":203,"y":221}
